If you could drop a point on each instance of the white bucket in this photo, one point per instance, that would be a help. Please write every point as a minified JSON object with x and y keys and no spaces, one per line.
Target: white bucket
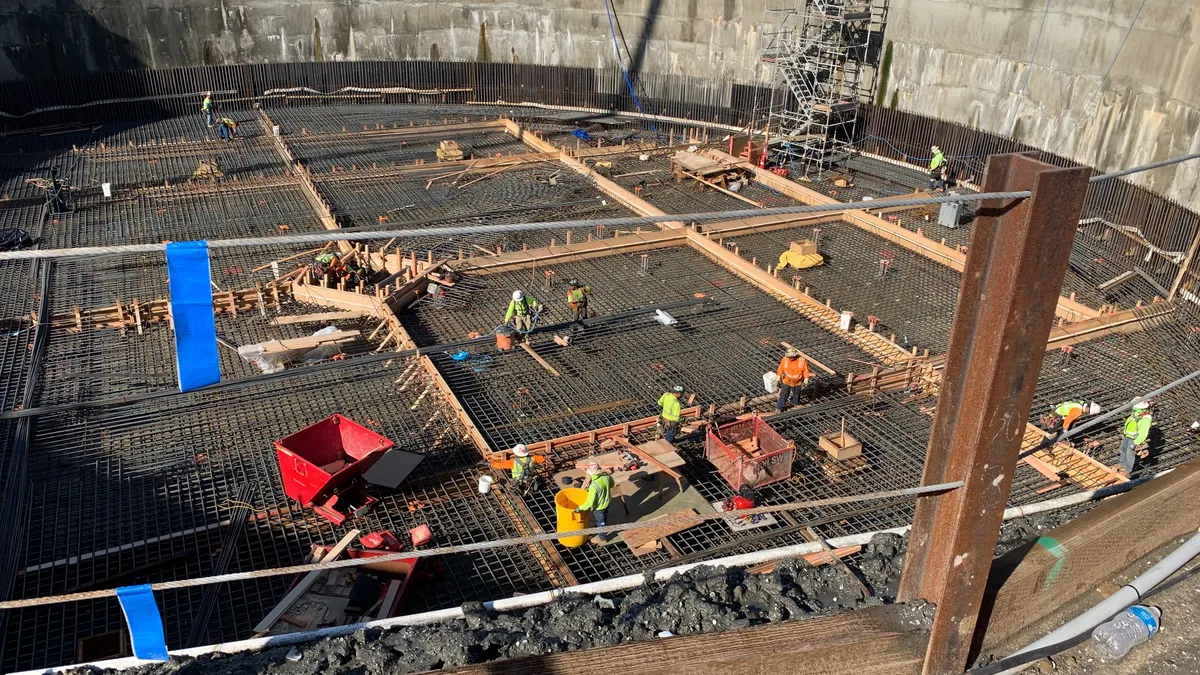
{"x":485,"y":484}
{"x":275,"y":129}
{"x":107,"y":188}
{"x":845,"y":321}
{"x":771,"y":382}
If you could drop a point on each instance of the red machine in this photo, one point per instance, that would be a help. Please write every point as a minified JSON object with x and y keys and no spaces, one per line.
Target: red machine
{"x":749,"y":453}
{"x":323,"y":466}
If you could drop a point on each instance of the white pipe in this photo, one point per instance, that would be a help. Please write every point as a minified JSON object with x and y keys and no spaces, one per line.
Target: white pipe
{"x":544,"y":597}
{"x":504,"y":604}
{"x":1117,"y":602}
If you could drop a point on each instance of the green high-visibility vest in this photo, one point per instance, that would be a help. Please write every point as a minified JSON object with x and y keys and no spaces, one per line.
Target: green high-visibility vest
{"x":672,"y":408}
{"x":1137,"y":427}
{"x":599,"y":493}
{"x":521,"y":465}
{"x":938,"y":160}
{"x":578,"y":294}
{"x":1062,"y":409}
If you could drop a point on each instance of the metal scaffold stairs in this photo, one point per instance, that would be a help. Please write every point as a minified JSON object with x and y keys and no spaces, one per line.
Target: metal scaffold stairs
{"x":826,"y":53}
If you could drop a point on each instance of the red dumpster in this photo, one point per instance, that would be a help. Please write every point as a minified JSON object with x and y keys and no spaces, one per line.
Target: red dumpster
{"x":322,"y":466}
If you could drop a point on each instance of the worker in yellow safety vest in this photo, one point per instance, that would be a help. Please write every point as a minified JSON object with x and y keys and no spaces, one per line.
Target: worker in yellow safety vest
{"x":1067,"y":412}
{"x":793,"y":376}
{"x":1135,"y":434}
{"x":577,"y":298}
{"x":521,"y":311}
{"x":937,"y":164}
{"x":522,"y":468}
{"x":206,"y":108}
{"x":599,"y":491}
{"x":672,"y":412}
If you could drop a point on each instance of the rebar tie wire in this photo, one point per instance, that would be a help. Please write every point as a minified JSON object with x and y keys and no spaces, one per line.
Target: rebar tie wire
{"x":337,"y":235}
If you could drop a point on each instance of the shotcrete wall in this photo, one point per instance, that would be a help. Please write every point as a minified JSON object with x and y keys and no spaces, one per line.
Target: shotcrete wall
{"x":962,"y":60}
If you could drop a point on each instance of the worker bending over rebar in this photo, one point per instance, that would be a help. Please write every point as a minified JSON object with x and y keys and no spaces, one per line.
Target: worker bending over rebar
{"x":577,"y":298}
{"x":1066,"y":413}
{"x":793,"y":376}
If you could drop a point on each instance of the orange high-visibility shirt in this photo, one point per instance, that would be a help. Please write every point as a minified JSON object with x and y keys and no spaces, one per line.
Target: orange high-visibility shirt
{"x":792,"y":371}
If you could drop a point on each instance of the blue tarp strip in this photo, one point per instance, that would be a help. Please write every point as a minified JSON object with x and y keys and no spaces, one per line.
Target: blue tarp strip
{"x":145,"y":623}
{"x":196,"y":357}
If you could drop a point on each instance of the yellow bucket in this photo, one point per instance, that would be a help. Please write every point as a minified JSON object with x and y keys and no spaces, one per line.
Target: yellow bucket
{"x":565,"y":503}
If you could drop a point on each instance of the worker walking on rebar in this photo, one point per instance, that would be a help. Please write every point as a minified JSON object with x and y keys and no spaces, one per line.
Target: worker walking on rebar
{"x":672,"y":412}
{"x":227,"y":129}
{"x":793,"y":376}
{"x":1134,"y":435}
{"x":206,"y":109}
{"x":522,"y":468}
{"x":577,"y":298}
{"x":599,"y":491}
{"x":1067,"y":412}
{"x":936,"y":178}
{"x":521,"y":311}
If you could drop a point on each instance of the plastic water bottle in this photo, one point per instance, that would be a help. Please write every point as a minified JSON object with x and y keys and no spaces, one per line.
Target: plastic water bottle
{"x":1112,"y":640}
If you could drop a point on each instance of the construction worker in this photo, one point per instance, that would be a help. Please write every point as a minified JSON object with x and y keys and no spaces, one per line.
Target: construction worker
{"x":522,"y":469}
{"x":672,"y":412}
{"x":936,"y":178}
{"x":329,"y":263}
{"x":1067,"y":412}
{"x":206,"y":108}
{"x":521,"y":311}
{"x":577,"y":298}
{"x":1134,"y":435}
{"x":227,"y":129}
{"x":793,"y":376}
{"x":599,"y":498}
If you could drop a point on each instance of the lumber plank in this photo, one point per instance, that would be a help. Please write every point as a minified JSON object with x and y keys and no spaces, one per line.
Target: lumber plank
{"x":636,"y":539}
{"x":302,"y":587}
{"x":320,"y":317}
{"x":1028,"y":584}
{"x":538,"y":357}
{"x":627,"y":243}
{"x":309,"y":342}
{"x":873,"y":641}
{"x":347,"y":300}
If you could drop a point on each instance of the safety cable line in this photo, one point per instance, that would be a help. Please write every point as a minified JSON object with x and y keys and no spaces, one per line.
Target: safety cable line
{"x":914,"y":492}
{"x":709,"y":216}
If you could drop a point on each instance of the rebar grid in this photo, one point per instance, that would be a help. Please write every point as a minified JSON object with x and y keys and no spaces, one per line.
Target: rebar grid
{"x":325,"y":153}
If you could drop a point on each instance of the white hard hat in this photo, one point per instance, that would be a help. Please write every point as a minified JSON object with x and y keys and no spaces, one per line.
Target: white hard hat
{"x":518,"y":294}
{"x":1140,"y":403}
{"x":520,"y":450}
{"x":593,"y":469}
{"x":678,"y":389}
{"x":1094,"y":408}
{"x":935,"y":148}
{"x":793,"y":352}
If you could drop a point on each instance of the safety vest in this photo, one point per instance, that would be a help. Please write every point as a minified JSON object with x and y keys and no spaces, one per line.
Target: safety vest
{"x":326,"y":258}
{"x":1063,"y":409}
{"x":521,"y":307}
{"x":672,"y":408}
{"x":229,"y":123}
{"x":792,"y":371}
{"x":520,"y":466}
{"x":206,"y":105}
{"x":1137,"y":427}
{"x":577,"y":295}
{"x":938,"y":160}
{"x":599,"y":493}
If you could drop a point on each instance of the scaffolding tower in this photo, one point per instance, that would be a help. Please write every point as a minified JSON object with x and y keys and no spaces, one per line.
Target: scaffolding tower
{"x":826,"y":53}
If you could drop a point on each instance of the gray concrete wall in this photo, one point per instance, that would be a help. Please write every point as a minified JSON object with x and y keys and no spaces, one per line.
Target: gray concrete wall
{"x":962,"y":60}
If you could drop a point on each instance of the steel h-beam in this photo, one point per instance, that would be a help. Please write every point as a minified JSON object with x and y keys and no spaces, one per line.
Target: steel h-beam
{"x":1018,"y":258}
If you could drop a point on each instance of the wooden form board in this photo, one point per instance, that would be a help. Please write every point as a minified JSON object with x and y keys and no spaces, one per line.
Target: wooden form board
{"x":637,"y":539}
{"x":302,"y":587}
{"x":1062,"y":461}
{"x":952,"y":258}
{"x":309,"y":342}
{"x":600,"y":434}
{"x":1070,"y":561}
{"x":595,"y":248}
{"x":873,"y":641}
{"x":322,"y":317}
{"x":331,"y":297}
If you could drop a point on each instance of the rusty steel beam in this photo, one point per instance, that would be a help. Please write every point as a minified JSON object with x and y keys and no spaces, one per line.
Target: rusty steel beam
{"x":1018,"y":258}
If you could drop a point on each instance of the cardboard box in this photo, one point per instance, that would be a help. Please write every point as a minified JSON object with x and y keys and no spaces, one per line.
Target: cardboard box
{"x":840,"y":445}
{"x":803,"y":247}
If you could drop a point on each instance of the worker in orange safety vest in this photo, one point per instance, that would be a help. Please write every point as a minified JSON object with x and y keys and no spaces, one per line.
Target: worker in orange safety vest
{"x":793,"y":376}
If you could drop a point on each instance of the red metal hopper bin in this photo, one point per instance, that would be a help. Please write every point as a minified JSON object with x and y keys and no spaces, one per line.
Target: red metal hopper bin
{"x":322,"y":466}
{"x":749,"y":452}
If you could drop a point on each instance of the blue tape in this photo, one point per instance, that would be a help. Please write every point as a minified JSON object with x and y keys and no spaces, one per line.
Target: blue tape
{"x":144,"y":621}
{"x":581,"y":135}
{"x":196,"y":358}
